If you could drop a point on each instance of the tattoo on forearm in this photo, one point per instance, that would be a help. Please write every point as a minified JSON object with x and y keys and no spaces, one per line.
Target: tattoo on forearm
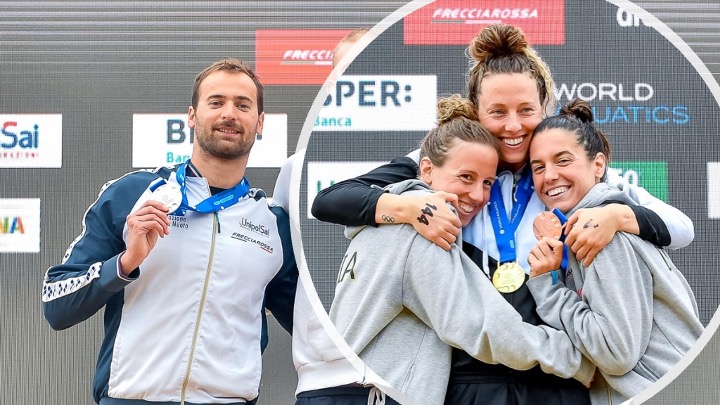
{"x":388,"y":219}
{"x":425,"y":213}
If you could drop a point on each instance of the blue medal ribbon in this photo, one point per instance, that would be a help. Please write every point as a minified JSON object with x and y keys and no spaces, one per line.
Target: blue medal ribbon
{"x":214,"y":203}
{"x":562,"y":219}
{"x":505,"y":228}
{"x":157,"y":183}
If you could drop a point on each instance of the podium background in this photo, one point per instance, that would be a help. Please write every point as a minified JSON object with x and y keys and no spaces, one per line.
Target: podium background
{"x":97,"y":63}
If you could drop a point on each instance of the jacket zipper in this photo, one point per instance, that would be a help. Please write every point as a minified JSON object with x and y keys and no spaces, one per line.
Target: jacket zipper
{"x":186,"y":380}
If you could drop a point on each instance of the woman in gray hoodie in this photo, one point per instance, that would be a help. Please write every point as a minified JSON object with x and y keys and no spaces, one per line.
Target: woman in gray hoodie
{"x":401,"y":302}
{"x":631,"y":311}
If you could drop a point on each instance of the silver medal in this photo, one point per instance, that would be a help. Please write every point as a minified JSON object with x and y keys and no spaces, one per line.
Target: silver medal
{"x":168,"y":194}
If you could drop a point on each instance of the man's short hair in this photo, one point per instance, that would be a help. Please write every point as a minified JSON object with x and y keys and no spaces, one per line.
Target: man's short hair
{"x":228,"y":65}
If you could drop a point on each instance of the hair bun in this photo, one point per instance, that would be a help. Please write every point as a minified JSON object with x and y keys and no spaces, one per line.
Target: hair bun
{"x":454,"y":106}
{"x":497,"y":40}
{"x":579,"y":109}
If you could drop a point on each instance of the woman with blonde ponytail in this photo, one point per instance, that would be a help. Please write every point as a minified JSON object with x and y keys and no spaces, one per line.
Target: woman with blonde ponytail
{"x":511,"y":89}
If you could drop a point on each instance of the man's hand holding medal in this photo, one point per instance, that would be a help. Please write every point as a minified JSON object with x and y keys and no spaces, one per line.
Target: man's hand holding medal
{"x":148,"y":223}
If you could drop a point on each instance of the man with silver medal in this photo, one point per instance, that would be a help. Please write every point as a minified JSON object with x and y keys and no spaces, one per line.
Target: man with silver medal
{"x":176,"y":258}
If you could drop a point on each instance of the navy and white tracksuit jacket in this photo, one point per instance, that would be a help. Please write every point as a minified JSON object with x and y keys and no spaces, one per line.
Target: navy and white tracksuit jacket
{"x":189,"y":324}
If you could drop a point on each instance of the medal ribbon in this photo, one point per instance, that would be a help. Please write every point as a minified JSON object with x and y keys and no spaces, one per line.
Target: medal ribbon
{"x":562,"y":219}
{"x":157,"y":183}
{"x":214,"y":203}
{"x":505,"y":228}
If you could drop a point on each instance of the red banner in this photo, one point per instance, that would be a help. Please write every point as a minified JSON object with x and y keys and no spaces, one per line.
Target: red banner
{"x":302,"y":57}
{"x":456,"y":22}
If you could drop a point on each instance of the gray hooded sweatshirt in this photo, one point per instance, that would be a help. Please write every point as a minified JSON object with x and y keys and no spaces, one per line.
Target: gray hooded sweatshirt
{"x":401,"y":302}
{"x":631,"y":311}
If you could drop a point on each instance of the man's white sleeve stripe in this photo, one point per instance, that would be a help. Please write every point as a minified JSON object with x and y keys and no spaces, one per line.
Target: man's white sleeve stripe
{"x":58,"y":289}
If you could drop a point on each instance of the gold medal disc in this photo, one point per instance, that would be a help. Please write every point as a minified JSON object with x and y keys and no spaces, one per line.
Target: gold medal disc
{"x":508,"y":277}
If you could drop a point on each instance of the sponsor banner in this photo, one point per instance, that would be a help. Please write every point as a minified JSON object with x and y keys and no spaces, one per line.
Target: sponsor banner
{"x":456,"y":22}
{"x":652,"y":176}
{"x":624,"y":103}
{"x":322,"y":175}
{"x":301,"y":57}
{"x":380,"y":103}
{"x":713,"y":175}
{"x":30,"y":140}
{"x":627,"y":19}
{"x":20,"y":225}
{"x":166,"y":139}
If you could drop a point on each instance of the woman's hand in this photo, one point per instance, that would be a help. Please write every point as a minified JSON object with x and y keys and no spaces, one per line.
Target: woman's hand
{"x":429,"y":214}
{"x":589,"y":230}
{"x":545,"y":257}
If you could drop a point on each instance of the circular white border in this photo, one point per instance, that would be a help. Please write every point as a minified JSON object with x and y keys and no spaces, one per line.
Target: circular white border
{"x":628,"y":6}
{"x":651,"y":21}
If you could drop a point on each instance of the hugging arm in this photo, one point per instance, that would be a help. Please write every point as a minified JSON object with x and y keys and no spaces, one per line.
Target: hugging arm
{"x":467,"y":312}
{"x":353,"y":202}
{"x":660,"y":223}
{"x":639,"y":213}
{"x":361,"y":201}
{"x":610,"y":323}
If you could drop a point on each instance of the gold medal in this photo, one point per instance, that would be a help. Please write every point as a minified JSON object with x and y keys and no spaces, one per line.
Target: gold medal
{"x":508,"y":277}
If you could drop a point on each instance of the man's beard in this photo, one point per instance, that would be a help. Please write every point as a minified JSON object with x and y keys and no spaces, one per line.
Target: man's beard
{"x":223,"y":149}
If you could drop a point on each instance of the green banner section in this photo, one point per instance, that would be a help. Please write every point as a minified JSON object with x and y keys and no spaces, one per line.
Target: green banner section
{"x":652,"y":176}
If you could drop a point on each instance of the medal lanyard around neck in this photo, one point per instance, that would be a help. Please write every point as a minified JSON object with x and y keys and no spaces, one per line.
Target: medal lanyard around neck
{"x":214,"y":203}
{"x":505,"y":228}
{"x":562,"y":219}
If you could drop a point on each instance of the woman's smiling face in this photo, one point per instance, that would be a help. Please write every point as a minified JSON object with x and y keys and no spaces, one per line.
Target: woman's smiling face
{"x":562,"y":171}
{"x":468,"y":172}
{"x":509,"y":107}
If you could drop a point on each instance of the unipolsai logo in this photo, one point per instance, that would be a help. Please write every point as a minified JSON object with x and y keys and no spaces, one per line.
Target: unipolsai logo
{"x":30,"y":140}
{"x":258,"y":229}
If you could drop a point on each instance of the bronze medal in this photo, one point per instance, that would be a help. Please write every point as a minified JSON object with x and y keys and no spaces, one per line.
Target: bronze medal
{"x":547,"y":224}
{"x":508,"y":277}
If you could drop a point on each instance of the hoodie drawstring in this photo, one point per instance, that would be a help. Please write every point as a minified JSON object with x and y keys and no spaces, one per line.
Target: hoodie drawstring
{"x":376,"y":397}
